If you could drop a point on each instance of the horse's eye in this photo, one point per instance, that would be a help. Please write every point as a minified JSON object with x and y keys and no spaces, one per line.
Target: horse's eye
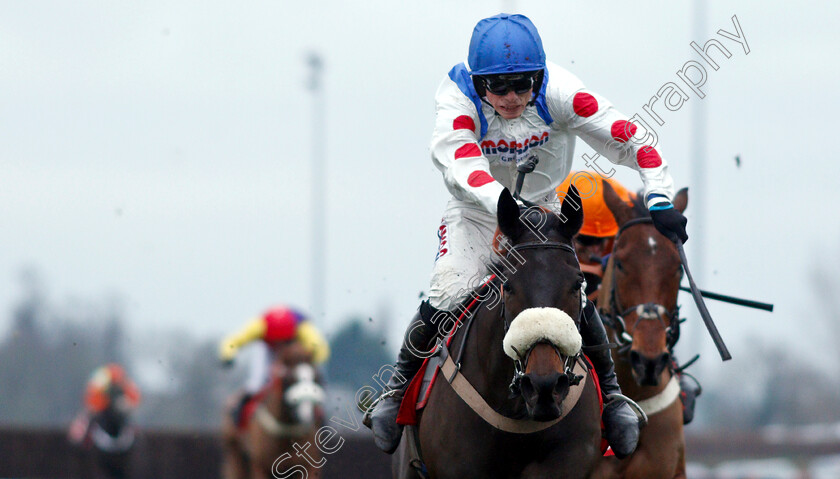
{"x":507,"y":288}
{"x":619,"y":265}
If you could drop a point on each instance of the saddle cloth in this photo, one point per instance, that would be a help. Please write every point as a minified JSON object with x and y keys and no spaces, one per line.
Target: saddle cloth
{"x":417,"y":394}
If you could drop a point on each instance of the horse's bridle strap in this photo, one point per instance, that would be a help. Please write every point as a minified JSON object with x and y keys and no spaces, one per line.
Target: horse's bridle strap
{"x":469,"y":395}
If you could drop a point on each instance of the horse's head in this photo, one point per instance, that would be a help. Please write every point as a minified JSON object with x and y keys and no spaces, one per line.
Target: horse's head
{"x":643,"y":277}
{"x":541,"y":286}
{"x":295,"y":375}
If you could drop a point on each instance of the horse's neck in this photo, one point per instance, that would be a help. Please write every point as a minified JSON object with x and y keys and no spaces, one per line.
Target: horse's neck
{"x":273,"y":402}
{"x":484,"y":363}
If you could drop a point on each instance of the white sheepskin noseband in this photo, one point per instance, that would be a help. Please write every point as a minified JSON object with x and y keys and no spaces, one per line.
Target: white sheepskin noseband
{"x":541,"y":324}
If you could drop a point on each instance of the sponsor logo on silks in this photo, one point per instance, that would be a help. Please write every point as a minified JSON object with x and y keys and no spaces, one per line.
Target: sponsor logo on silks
{"x":512,"y":150}
{"x":442,"y":242}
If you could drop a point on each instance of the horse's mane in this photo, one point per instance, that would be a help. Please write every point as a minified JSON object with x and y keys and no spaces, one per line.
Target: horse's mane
{"x":640,"y":210}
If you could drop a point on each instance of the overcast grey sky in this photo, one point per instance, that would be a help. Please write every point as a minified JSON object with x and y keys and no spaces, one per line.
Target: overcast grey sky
{"x":159,"y":150}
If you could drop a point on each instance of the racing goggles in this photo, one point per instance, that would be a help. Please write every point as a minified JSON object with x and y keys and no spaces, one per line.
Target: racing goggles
{"x":501,"y":84}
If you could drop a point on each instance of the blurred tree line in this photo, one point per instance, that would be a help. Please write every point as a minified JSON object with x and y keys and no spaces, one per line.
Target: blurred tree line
{"x":49,"y":351}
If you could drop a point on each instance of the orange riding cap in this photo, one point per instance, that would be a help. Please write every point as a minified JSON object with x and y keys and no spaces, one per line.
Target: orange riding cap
{"x":97,"y":398}
{"x":598,"y":220}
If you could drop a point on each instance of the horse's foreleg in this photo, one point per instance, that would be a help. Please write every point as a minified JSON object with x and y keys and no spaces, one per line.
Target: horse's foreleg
{"x":680,"y":472}
{"x":234,"y":462}
{"x":400,"y":467}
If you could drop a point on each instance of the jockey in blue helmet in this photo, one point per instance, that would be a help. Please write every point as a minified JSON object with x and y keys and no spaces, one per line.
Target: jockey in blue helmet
{"x":507,"y":105}
{"x":506,"y":51}
{"x":521,"y":47}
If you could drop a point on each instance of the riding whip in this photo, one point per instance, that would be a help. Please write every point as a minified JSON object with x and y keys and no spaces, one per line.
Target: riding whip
{"x":524,"y":168}
{"x":733,"y":300}
{"x":701,"y":306}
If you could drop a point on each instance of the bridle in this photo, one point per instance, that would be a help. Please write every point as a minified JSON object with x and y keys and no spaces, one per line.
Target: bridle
{"x":271,"y":424}
{"x":451,"y":369}
{"x":644,"y":311}
{"x":521,"y":365}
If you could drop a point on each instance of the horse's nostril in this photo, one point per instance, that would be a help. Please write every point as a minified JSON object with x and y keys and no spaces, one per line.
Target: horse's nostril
{"x":540,"y":387}
{"x":636,"y":358}
{"x":527,"y":387}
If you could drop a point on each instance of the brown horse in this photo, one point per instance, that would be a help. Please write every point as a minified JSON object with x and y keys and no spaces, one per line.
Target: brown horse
{"x":283,"y":424}
{"x":638,"y":303}
{"x":518,"y":423}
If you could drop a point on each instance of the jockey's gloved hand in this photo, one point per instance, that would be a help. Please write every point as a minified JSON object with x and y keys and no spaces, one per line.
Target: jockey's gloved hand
{"x":669,"y":221}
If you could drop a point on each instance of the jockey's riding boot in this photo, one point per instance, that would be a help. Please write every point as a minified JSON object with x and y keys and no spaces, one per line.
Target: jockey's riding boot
{"x":621,"y":425}
{"x":236,"y":412}
{"x":416,"y":347}
{"x":689,"y":390}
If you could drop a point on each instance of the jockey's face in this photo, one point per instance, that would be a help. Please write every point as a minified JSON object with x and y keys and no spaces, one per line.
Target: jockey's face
{"x":511,"y":104}
{"x":588,"y":248}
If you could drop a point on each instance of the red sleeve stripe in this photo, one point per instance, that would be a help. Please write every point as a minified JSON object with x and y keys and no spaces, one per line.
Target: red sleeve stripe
{"x":463,"y":122}
{"x":479,"y":178}
{"x":585,"y":105}
{"x":648,"y":157}
{"x":470,"y":150}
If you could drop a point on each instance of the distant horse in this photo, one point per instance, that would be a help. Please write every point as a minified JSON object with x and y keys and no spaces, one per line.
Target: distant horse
{"x":638,"y":303}
{"x":523,"y":429}
{"x":288,"y":412}
{"x":105,"y":439}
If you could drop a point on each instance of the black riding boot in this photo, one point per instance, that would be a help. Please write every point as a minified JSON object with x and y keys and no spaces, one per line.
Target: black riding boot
{"x":689,"y":390}
{"x":620,"y":422}
{"x":416,"y":346}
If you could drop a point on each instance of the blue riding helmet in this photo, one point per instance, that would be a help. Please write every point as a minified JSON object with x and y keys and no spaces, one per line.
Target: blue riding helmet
{"x":505,"y":43}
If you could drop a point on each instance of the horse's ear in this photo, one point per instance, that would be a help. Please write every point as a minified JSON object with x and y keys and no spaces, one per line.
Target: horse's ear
{"x":622,"y":212}
{"x":507,"y":213}
{"x":571,"y":213}
{"x":681,"y":200}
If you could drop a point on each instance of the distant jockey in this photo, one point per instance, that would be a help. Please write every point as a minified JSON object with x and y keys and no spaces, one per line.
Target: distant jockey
{"x":277,"y":325}
{"x":594,"y":243}
{"x":108,"y":387}
{"x":506,"y":105}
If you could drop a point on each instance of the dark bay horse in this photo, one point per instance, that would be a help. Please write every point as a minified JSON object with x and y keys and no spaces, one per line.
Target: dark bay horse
{"x":287,"y":413}
{"x":531,"y":313}
{"x":638,"y":303}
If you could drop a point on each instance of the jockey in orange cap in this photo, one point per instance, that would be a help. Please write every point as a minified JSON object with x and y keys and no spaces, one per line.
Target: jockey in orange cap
{"x":277,"y":325}
{"x":594,"y":243}
{"x":110,"y":383}
{"x":108,"y":387}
